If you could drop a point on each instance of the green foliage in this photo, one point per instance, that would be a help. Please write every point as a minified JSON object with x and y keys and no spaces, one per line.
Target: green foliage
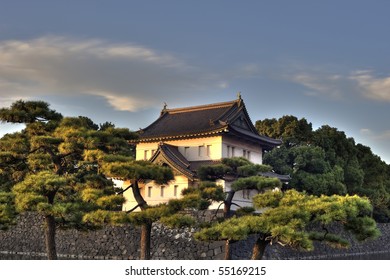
{"x":100,"y":217}
{"x":252,"y":169}
{"x":78,"y":123}
{"x":332,"y":240}
{"x":309,"y":169}
{"x":235,"y":162}
{"x":268,"y":199}
{"x":289,"y":128}
{"x":137,"y":170}
{"x":150,"y":214}
{"x":363,"y":228}
{"x":178,"y":220}
{"x":231,"y":229}
{"x":28,"y":112}
{"x":200,"y":198}
{"x":256,"y":182}
{"x":287,"y":217}
{"x":7,"y":210}
{"x":242,"y":211}
{"x":213,"y":172}
{"x":326,"y":161}
{"x":52,"y":166}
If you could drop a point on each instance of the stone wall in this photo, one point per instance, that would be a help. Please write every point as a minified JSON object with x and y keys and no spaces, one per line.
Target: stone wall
{"x":26,"y":241}
{"x":370,"y":249}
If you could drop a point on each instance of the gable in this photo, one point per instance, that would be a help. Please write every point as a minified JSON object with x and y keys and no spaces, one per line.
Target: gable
{"x":170,"y":156}
{"x":242,"y":122}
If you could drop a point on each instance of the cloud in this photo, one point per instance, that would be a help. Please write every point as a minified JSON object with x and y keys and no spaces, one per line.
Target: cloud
{"x":372,"y":87}
{"x":365,"y":131}
{"x":320,"y":84}
{"x":130,"y":77}
{"x":379,"y":136}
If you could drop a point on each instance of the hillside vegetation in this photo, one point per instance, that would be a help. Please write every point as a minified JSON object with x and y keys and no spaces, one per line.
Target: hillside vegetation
{"x":326,"y":161}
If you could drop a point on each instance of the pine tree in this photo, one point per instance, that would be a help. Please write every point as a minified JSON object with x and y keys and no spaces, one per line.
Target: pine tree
{"x":286,"y":219}
{"x":51,"y":167}
{"x":246,"y":176}
{"x":134,"y":171}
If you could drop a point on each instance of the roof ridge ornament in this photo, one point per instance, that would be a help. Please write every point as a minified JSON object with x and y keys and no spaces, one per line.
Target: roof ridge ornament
{"x":164,"y":109}
{"x":239,"y":99}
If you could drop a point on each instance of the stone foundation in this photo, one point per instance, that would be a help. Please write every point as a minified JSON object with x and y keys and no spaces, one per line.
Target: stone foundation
{"x":25,"y":240}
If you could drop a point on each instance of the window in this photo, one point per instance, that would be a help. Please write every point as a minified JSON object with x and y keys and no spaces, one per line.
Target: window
{"x":146,"y":155}
{"x":200,"y":151}
{"x":233,"y":151}
{"x":162,"y":191}
{"x":153,"y":152}
{"x":246,"y":154}
{"x":175,"y":190}
{"x":228,"y":151}
{"x":246,"y":193}
{"x":208,"y":150}
{"x":149,"y":191}
{"x":186,"y":151}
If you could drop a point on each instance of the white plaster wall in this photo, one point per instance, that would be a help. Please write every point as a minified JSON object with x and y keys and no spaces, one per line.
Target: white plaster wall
{"x":142,"y":147}
{"x":256,"y":152}
{"x":191,"y":153}
{"x":239,"y":197}
{"x":180,"y":181}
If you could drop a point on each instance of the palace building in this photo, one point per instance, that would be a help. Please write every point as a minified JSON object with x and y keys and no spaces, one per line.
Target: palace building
{"x":186,"y":138}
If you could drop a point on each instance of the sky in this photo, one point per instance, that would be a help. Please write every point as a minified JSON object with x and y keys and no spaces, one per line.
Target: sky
{"x":119,"y":61}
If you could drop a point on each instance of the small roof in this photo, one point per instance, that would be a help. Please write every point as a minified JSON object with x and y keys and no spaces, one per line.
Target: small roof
{"x":199,"y":121}
{"x":171,"y":156}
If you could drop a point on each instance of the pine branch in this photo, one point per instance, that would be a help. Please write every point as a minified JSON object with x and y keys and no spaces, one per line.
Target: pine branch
{"x":216,"y":212}
{"x":132,"y":209}
{"x":239,"y":206}
{"x":122,"y":191}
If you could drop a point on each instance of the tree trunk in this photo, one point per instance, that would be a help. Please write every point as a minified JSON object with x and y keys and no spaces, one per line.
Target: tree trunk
{"x":146,"y":231}
{"x":228,"y":204}
{"x":137,"y":196}
{"x":259,"y":248}
{"x":228,"y":250}
{"x":50,"y":237}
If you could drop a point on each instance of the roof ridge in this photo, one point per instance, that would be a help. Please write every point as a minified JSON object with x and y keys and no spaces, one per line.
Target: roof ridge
{"x":201,"y":107}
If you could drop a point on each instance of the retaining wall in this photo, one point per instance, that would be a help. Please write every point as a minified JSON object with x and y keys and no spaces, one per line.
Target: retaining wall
{"x":25,"y":240}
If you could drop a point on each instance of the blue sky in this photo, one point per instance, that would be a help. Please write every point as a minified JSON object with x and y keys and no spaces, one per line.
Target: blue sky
{"x":119,"y":61}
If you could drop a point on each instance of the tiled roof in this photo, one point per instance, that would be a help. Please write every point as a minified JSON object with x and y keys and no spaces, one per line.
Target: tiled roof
{"x":174,"y":159}
{"x":190,"y":120}
{"x":203,"y":120}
